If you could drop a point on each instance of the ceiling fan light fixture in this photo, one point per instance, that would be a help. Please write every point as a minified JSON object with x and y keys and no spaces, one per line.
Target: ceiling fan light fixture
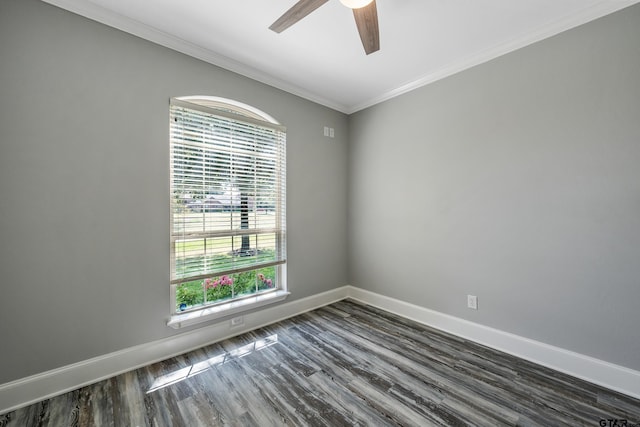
{"x":355,"y":4}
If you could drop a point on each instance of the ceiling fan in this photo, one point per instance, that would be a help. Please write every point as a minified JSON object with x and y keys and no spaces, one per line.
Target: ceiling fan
{"x":364,"y":11}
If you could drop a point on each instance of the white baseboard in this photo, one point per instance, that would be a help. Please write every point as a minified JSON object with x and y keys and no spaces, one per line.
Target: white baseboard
{"x":45,"y":385}
{"x":596,"y":371}
{"x":35,"y":388}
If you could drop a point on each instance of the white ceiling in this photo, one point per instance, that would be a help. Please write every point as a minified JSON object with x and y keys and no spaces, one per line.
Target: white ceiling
{"x":321,"y":57}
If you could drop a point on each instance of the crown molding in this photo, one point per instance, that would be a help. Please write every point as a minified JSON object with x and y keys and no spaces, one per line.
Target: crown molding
{"x":104,"y":16}
{"x":96,"y":13}
{"x":589,"y":14}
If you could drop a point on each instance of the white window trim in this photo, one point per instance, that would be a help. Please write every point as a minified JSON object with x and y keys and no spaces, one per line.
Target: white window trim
{"x":212,"y":312}
{"x":218,"y":311}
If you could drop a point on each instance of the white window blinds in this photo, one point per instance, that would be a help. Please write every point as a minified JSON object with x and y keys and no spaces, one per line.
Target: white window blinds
{"x":227,"y":192}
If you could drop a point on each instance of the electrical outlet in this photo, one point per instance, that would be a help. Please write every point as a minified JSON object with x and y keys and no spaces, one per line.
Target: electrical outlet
{"x":329,"y":132}
{"x":472,"y":302}
{"x":237,"y":321}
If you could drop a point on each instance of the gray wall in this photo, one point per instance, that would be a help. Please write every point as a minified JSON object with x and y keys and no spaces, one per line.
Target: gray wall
{"x":84,"y":185}
{"x":517,"y":181}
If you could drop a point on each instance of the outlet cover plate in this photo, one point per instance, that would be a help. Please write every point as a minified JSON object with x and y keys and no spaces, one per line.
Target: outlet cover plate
{"x":472,"y":302}
{"x":237,"y":321}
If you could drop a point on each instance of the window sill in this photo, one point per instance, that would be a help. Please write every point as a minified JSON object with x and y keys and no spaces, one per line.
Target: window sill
{"x":181,"y":320}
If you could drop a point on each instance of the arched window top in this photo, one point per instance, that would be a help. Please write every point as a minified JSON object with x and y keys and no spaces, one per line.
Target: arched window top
{"x":229,"y":106}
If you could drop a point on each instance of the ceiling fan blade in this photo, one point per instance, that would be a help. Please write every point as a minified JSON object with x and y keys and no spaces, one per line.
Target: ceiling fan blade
{"x":296,"y":13}
{"x":367,"y":22}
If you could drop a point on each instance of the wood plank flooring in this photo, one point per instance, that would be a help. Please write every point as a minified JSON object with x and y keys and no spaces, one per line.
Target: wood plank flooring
{"x":342,"y":365}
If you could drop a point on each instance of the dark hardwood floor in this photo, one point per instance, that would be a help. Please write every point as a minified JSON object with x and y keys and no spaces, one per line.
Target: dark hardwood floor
{"x":344,"y":364}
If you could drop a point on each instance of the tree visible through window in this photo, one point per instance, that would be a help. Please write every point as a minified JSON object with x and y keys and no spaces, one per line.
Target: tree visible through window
{"x":227,"y":202}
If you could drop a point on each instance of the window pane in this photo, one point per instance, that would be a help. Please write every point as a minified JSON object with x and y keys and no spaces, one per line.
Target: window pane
{"x":189,"y":294}
{"x":221,"y":288}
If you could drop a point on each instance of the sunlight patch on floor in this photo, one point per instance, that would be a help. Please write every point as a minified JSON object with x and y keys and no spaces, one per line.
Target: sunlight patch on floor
{"x":200,"y":367}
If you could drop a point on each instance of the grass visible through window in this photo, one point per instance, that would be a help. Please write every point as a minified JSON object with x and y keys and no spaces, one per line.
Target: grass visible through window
{"x":221,"y":288}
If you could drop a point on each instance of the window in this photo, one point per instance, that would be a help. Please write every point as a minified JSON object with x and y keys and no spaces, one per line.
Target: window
{"x":228,"y":240}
